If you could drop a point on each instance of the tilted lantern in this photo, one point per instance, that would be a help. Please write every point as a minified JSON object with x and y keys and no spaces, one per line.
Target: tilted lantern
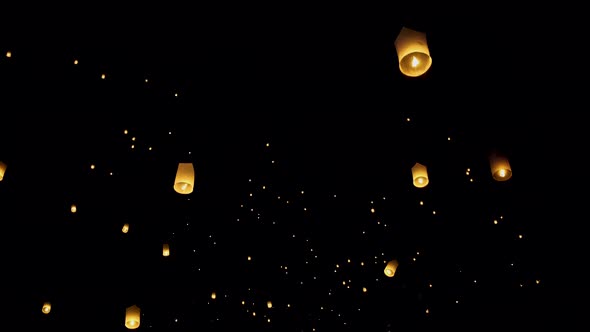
{"x":132,"y":317}
{"x":419,"y":175}
{"x":390,"y":268}
{"x":185,"y":178}
{"x":46,"y":307}
{"x":125,"y":228}
{"x":412,"y":52}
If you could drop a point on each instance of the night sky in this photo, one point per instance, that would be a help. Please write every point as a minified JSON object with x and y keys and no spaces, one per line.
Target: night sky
{"x":302,"y":132}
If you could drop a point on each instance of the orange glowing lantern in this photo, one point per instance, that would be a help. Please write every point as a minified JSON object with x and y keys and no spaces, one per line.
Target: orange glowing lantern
{"x":412,"y":52}
{"x":390,"y":268}
{"x":269,"y":304}
{"x":419,"y":175}
{"x":185,"y":178}
{"x":73,"y":208}
{"x":125,"y":228}
{"x":500,"y":167}
{"x":46,"y":308}
{"x":165,"y":250}
{"x":2,"y":170}
{"x":213,"y":296}
{"x":132,"y":317}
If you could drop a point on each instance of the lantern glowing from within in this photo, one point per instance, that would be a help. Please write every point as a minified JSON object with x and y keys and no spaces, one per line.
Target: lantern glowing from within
{"x":390,"y":268}
{"x":185,"y":178}
{"x":132,"y":315}
{"x":213,"y":296}
{"x":73,"y":208}
{"x":412,"y":52}
{"x":269,"y":304}
{"x":125,"y":228}
{"x":500,"y":167}
{"x":165,"y":250}
{"x":419,"y":175}
{"x":2,"y":170}
{"x":46,"y":308}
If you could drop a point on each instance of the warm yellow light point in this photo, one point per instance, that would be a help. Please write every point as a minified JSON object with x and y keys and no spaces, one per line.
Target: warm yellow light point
{"x":92,"y":166}
{"x":125,"y":131}
{"x":407,"y":119}
{"x":73,"y":208}
{"x":537,"y":281}
{"x":9,"y":54}
{"x":421,"y":203}
{"x":249,"y":258}
{"x":267,"y":144}
{"x":213,"y":296}
{"x":76,"y":62}
{"x":103,"y":76}
{"x":520,"y":236}
{"x":46,"y":307}
{"x":364,"y":289}
{"x":372,"y":210}
{"x":495,"y":222}
{"x":427,"y":311}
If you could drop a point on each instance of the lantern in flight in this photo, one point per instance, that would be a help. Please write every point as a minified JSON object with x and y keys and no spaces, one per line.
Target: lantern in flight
{"x":165,"y":250}
{"x":390,"y":268}
{"x":46,"y":308}
{"x":412,"y":52}
{"x":419,"y":175}
{"x":500,"y":167}
{"x":2,"y":170}
{"x":132,"y":317}
{"x":185,"y":178}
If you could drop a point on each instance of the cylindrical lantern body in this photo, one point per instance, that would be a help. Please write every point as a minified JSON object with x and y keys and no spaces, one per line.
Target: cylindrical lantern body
{"x":46,"y":307}
{"x":412,"y":52}
{"x":269,"y":304}
{"x":73,"y":208}
{"x":419,"y":175}
{"x":132,"y":317}
{"x":500,"y":167}
{"x":125,"y":228}
{"x":390,"y":268}
{"x":213,"y":295}
{"x":2,"y":170}
{"x":185,"y":178}
{"x":165,"y":250}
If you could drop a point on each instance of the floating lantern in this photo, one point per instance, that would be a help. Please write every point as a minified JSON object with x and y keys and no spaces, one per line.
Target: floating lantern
{"x":390,"y":268}
{"x":500,"y":167}
{"x":269,"y":304}
{"x":419,"y":175}
{"x":132,"y":317}
{"x":2,"y":170}
{"x":165,"y":250}
{"x":125,"y":228}
{"x":213,"y":296}
{"x":412,"y":52}
{"x":46,"y":308}
{"x":73,"y":208}
{"x":185,"y":178}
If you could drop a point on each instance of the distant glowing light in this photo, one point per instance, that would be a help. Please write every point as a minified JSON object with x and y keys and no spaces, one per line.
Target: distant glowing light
{"x":76,"y":62}
{"x":9,"y":54}
{"x":103,"y":76}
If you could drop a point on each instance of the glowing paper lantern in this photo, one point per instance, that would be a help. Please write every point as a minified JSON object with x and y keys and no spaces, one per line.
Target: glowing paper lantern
{"x":269,"y":304}
{"x":132,"y":317}
{"x":390,"y":268}
{"x":419,"y":175}
{"x":2,"y":170}
{"x":412,"y":52}
{"x":500,"y":167}
{"x":46,"y":308}
{"x":213,"y":295}
{"x":185,"y":178}
{"x":125,"y":228}
{"x":165,"y":250}
{"x":73,"y":208}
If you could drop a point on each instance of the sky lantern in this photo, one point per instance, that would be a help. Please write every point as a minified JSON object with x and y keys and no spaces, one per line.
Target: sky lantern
{"x":500,"y":167}
{"x":132,"y":317}
{"x":165,"y":250}
{"x":419,"y":175}
{"x":390,"y":268}
{"x":46,"y":307}
{"x":2,"y":170}
{"x":412,"y":52}
{"x":185,"y":178}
